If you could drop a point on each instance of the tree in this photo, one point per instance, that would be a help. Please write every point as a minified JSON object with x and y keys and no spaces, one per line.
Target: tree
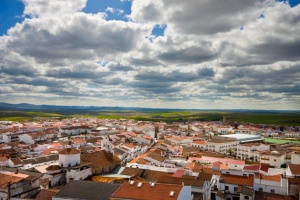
{"x":230,"y":151}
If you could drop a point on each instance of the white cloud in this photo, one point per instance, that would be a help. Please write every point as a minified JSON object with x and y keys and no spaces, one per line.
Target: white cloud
{"x":203,"y":60}
{"x":51,"y":8}
{"x":114,"y":10}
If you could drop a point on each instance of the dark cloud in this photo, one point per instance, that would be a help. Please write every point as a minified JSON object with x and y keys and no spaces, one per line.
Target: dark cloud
{"x":188,"y":55}
{"x":274,"y":50}
{"x":78,"y":72}
{"x":176,"y":76}
{"x":155,"y":87}
{"x":115,"y":67}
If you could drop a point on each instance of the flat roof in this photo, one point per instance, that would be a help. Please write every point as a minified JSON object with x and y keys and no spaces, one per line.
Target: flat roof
{"x":242,"y":137}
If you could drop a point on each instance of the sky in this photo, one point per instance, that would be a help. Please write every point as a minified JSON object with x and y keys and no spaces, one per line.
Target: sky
{"x":208,"y":54}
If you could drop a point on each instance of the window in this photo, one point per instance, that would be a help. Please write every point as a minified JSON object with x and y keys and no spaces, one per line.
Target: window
{"x":244,"y":174}
{"x":260,"y":189}
{"x":235,"y":189}
{"x":226,"y":188}
{"x":273,"y":191}
{"x":246,"y":197}
{"x":274,"y":160}
{"x":227,"y":172}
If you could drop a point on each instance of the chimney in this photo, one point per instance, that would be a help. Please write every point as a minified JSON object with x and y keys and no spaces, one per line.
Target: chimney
{"x":182,"y":182}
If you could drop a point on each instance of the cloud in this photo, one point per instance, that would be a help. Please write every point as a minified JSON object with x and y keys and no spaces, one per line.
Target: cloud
{"x":196,"y":17}
{"x":203,"y":60}
{"x":83,"y":37}
{"x":176,"y":76}
{"x":42,"y":8}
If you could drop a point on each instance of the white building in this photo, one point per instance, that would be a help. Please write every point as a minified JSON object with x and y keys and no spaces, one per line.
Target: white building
{"x":295,"y":158}
{"x":32,"y":138}
{"x":222,"y":146}
{"x":273,"y":158}
{"x":234,"y":186}
{"x":271,"y":184}
{"x":251,"y":151}
{"x":69,"y":159}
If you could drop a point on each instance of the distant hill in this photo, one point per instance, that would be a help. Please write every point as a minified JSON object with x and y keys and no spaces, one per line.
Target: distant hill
{"x":33,"y":107}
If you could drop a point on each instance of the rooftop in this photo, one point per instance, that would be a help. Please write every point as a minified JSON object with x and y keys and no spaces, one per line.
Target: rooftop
{"x":146,"y":191}
{"x":87,"y":190}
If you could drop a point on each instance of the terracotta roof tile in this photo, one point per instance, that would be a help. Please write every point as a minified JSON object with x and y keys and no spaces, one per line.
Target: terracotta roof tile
{"x":100,"y":159}
{"x":245,"y":190}
{"x":10,"y":177}
{"x":46,"y":194}
{"x":16,"y":161}
{"x":295,"y":169}
{"x":69,"y":151}
{"x":147,"y":192}
{"x":204,"y":176}
{"x":237,"y":180}
{"x":178,"y":181}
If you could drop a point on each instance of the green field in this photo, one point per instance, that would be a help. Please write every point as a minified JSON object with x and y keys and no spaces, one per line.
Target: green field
{"x":25,"y":116}
{"x":272,"y":118}
{"x":279,"y":141}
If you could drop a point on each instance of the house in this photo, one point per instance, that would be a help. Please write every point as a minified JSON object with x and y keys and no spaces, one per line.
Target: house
{"x":231,"y":163}
{"x":46,"y":194}
{"x":101,"y":161}
{"x":55,"y":176}
{"x":228,"y":187}
{"x":15,"y":162}
{"x":16,"y":184}
{"x":87,"y":190}
{"x":201,"y":187}
{"x":121,"y":154}
{"x":133,"y":150}
{"x":175,"y":140}
{"x":201,"y":144}
{"x":273,"y":158}
{"x":293,"y":170}
{"x":32,"y":138}
{"x":149,"y":191}
{"x":39,"y":161}
{"x":78,"y":142}
{"x":223,"y":146}
{"x":275,"y":184}
{"x":69,"y":160}
{"x":158,"y":158}
{"x":9,"y":137}
{"x":295,"y":157}
{"x":251,"y":151}
{"x":145,"y":139}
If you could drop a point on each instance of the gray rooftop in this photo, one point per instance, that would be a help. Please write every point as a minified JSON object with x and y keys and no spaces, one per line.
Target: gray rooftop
{"x":87,"y":190}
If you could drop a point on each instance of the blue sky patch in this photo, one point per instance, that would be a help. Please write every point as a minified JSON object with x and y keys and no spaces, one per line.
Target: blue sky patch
{"x":292,"y":3}
{"x":159,"y":30}
{"x":10,"y":13}
{"x":115,"y":9}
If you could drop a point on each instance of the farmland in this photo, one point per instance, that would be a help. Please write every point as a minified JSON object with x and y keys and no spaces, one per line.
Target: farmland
{"x":272,"y":118}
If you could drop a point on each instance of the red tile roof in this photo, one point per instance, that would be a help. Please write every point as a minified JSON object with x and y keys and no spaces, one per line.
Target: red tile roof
{"x":295,"y":169}
{"x":147,"y":192}
{"x":237,"y":180}
{"x":252,"y":167}
{"x":69,"y":151}
{"x":179,"y":173}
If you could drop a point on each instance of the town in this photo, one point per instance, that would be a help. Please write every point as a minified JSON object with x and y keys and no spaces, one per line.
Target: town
{"x":90,"y":158}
